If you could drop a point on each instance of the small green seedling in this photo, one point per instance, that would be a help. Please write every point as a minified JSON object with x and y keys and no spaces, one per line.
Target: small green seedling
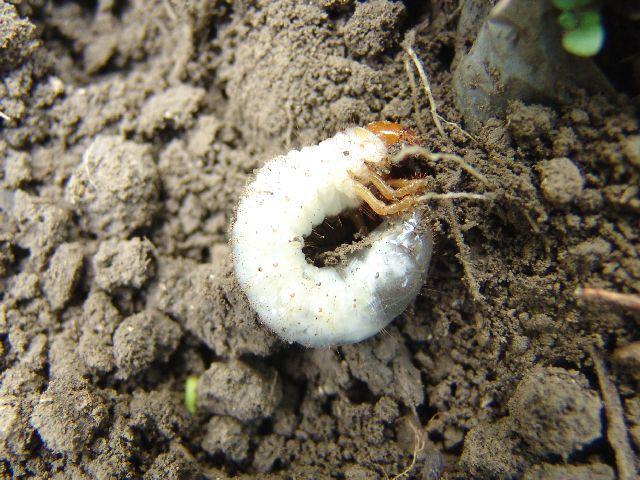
{"x":190,"y":394}
{"x":582,"y":24}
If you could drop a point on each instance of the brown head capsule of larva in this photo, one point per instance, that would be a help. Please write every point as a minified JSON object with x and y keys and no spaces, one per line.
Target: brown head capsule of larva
{"x":391,"y":133}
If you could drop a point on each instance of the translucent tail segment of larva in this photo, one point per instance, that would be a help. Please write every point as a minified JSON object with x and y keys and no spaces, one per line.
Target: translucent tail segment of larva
{"x":292,"y":194}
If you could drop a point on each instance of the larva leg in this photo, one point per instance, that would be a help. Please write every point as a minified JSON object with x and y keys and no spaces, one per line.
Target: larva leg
{"x":392,"y":189}
{"x":371,"y":177}
{"x":378,"y":205}
{"x":407,"y":187}
{"x":399,"y":182}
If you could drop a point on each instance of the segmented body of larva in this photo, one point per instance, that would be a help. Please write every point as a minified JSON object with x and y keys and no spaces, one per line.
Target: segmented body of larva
{"x":292,"y":194}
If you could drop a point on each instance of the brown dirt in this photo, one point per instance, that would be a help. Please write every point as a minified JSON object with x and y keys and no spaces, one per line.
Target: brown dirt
{"x":130,"y":131}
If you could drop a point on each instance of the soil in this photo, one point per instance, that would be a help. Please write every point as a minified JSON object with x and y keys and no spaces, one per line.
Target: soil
{"x":128,"y":132}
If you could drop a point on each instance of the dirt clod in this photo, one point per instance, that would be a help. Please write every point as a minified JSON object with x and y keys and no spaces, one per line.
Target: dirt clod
{"x":555,"y":412}
{"x":115,"y":187}
{"x":17,"y":36}
{"x":172,"y":108}
{"x":560,"y":180}
{"x":41,"y":225}
{"x":17,"y":437}
{"x":552,"y":414}
{"x":173,"y":465}
{"x":100,"y":319}
{"x":61,"y":277}
{"x":69,"y":415}
{"x":491,"y":452}
{"x":127,"y":263}
{"x":226,"y":435}
{"x":142,"y":339}
{"x":234,"y":388}
{"x":17,"y":169}
{"x":160,"y":413}
{"x":373,"y":27}
{"x":530,"y":125}
{"x":569,"y":472}
{"x":208,"y":302}
{"x":631,"y":149}
{"x":393,"y":374}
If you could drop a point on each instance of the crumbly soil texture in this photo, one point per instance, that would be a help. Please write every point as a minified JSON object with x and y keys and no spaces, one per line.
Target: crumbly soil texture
{"x":128,"y":130}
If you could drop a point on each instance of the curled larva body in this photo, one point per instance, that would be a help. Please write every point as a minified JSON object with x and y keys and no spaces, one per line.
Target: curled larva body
{"x":326,"y":306}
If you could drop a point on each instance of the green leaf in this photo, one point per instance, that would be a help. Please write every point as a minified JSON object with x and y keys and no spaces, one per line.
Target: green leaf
{"x":568,"y":20}
{"x":587,"y":39}
{"x":190,"y":394}
{"x":589,"y":18}
{"x":571,"y":4}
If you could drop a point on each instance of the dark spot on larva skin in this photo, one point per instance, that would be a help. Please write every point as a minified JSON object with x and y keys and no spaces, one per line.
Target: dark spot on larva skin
{"x":346,"y":153}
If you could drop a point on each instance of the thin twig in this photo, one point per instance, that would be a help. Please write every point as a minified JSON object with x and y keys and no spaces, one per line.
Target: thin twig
{"x":626,"y":300}
{"x":85,"y":161}
{"x":418,"y":446}
{"x":617,"y":433}
{"x":168,"y":8}
{"x":4,"y":116}
{"x":532,"y":224}
{"x":457,"y":127}
{"x":408,"y":48}
{"x":423,"y":152}
{"x":414,"y":94}
{"x":463,"y":253}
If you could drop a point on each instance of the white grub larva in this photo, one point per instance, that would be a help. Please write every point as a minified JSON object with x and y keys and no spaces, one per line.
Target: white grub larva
{"x":292,"y":194}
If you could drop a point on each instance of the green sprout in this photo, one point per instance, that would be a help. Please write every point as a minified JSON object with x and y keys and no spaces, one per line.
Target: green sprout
{"x":190,"y":394}
{"x":582,"y":24}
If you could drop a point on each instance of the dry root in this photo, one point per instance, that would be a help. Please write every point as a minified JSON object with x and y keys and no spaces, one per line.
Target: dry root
{"x":436,"y":157}
{"x":617,"y":433}
{"x":463,"y":250}
{"x":418,"y":446}
{"x":625,"y":300}
{"x":408,"y":48}
{"x":438,"y":119}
